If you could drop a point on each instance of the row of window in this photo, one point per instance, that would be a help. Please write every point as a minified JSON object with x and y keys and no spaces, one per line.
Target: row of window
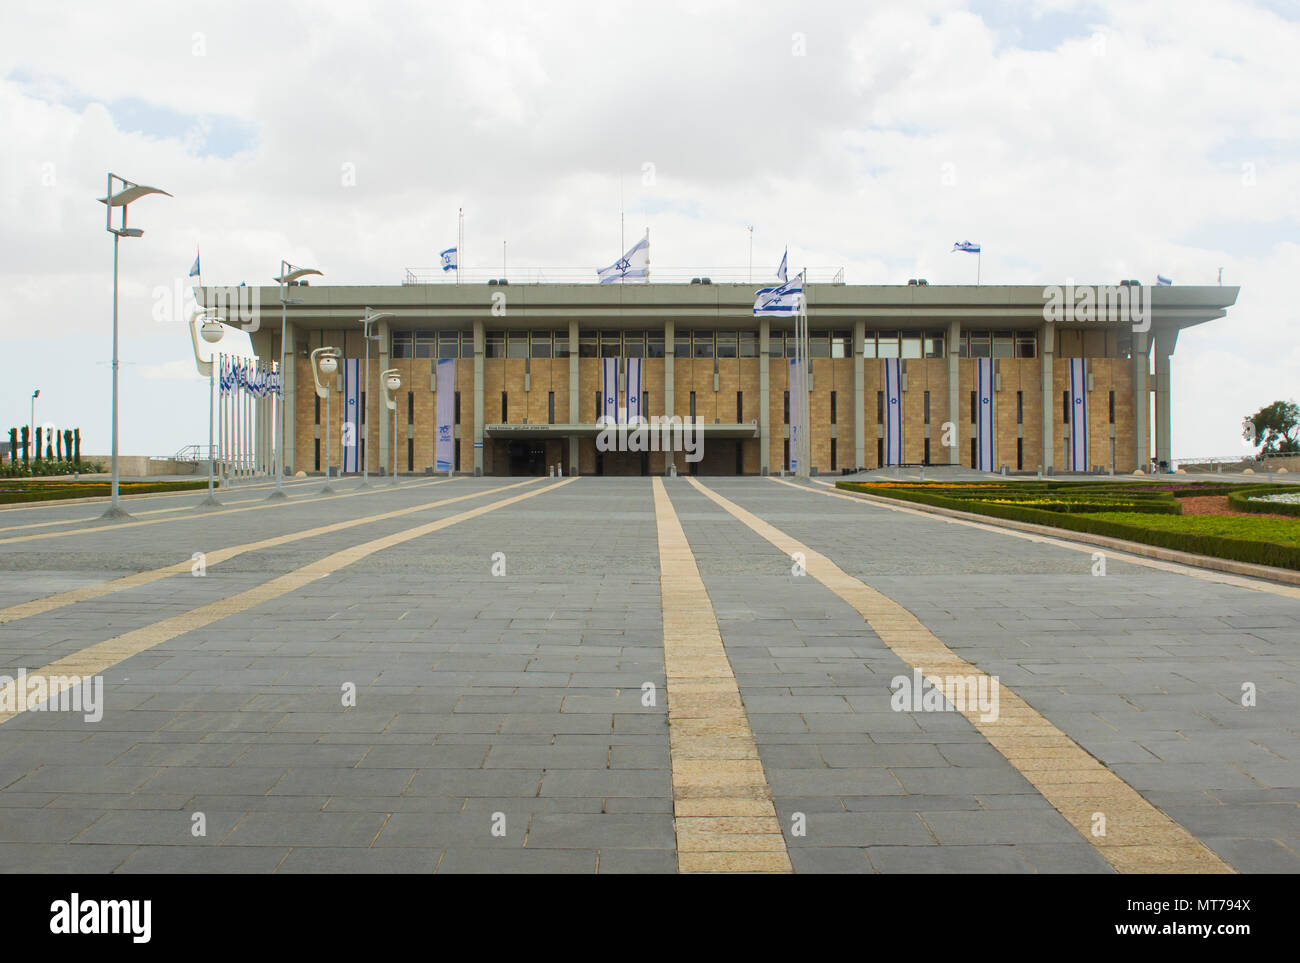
{"x":710,"y":344}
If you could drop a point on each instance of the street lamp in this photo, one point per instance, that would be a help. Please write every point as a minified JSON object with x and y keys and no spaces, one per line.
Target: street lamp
{"x":392,"y":379}
{"x":129,"y":192}
{"x":288,"y":274}
{"x":370,"y":318}
{"x":324,"y":361}
{"x":211,"y":332}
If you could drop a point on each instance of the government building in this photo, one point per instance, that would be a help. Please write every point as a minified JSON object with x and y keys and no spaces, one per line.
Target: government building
{"x":528,"y":369}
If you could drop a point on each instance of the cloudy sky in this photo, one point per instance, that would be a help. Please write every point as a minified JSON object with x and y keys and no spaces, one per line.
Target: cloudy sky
{"x":1094,"y":141}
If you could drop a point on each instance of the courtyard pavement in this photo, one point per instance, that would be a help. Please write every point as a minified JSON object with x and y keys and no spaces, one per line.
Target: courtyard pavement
{"x":470,"y":675}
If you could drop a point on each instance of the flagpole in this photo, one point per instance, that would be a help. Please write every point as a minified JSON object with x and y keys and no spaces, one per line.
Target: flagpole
{"x":460,"y":242}
{"x":647,"y":254}
{"x":979,"y":255}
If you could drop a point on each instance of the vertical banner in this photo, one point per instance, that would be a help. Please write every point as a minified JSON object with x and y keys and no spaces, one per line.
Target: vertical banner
{"x":444,"y":455}
{"x":351,"y":435}
{"x":634,"y":412}
{"x":798,"y":390}
{"x":984,"y":395}
{"x":608,"y":414}
{"x":893,"y":411}
{"x":1078,"y":414}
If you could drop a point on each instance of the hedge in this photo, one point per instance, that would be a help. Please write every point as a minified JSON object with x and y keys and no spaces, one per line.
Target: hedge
{"x":1243,"y":501}
{"x":40,"y":492}
{"x":1238,"y":549}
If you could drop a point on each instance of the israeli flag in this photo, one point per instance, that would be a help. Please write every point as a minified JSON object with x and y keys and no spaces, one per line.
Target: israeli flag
{"x":781,"y":301}
{"x":893,"y":411}
{"x":984,"y":431}
{"x":449,"y":262}
{"x":633,"y":403}
{"x":780,"y":271}
{"x":1162,"y":281}
{"x":632,"y":266}
{"x":1078,"y":414}
{"x":968,"y":246}
{"x":194,"y":271}
{"x":608,"y":414}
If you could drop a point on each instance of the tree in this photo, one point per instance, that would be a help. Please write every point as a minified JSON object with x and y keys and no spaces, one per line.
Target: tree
{"x":26,"y":443}
{"x":1273,"y":427}
{"x":76,"y":446}
{"x":13,"y":447}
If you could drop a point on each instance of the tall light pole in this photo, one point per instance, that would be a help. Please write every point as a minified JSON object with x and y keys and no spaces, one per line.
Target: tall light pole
{"x":129,"y":192}
{"x":288,"y":274}
{"x":392,"y":379}
{"x":325,"y":361}
{"x":35,"y":394}
{"x":370,"y":318}
{"x":212,"y":332}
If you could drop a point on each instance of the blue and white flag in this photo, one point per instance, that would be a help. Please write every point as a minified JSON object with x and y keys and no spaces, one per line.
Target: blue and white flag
{"x":893,"y":411}
{"x":780,"y":271}
{"x":968,"y":246}
{"x":632,"y":266}
{"x":449,"y":262}
{"x":781,"y":301}
{"x":633,"y":403}
{"x":194,"y":271}
{"x":351,"y":437}
{"x":984,"y":425}
{"x":1162,"y":281}
{"x":1078,"y":414}
{"x":444,"y":453}
{"x":608,"y":414}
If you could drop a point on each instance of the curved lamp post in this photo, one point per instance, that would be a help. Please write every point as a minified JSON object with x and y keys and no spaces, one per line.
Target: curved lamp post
{"x":288,"y":274}
{"x":370,"y":318}
{"x":392,"y":379}
{"x":127,"y":193}
{"x":325,"y":361}
{"x":211,"y":331}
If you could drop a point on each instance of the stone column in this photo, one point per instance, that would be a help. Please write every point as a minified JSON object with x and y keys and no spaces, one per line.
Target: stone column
{"x":954,"y":392}
{"x":574,"y":390}
{"x":764,"y":397}
{"x":859,"y":396}
{"x":480,"y":347}
{"x":1165,"y":341}
{"x":1047,"y":353}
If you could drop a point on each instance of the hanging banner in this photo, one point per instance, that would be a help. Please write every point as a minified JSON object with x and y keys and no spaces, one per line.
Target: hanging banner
{"x":1078,"y":414}
{"x":444,"y":454}
{"x":798,"y":389}
{"x":893,"y":411}
{"x":984,"y":395}
{"x":634,"y":413}
{"x":351,"y":437}
{"x":608,"y":414}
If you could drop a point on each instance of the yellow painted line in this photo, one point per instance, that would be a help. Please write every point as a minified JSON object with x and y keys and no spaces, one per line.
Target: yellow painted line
{"x":39,"y":606}
{"x":94,"y":660}
{"x":722,"y":805}
{"x":213,"y":514}
{"x":1063,"y":541}
{"x":1139,"y":837}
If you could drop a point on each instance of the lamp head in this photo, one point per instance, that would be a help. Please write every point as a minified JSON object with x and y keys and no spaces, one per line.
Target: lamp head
{"x":328,"y":364}
{"x":212,"y":330}
{"x":394,"y":382}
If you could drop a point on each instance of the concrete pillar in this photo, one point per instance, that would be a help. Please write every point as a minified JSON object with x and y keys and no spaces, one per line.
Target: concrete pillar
{"x":1165,"y":342}
{"x":574,"y":387}
{"x":1141,"y":398}
{"x":954,"y":384}
{"x":480,"y":347}
{"x":1047,"y":353}
{"x":764,"y":397}
{"x":381,"y":409}
{"x":859,"y":396}
{"x":290,"y":390}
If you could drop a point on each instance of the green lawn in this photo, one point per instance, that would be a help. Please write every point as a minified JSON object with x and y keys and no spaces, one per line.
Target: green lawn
{"x":1278,"y":530}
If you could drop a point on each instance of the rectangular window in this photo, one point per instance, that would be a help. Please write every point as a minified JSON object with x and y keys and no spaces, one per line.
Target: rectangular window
{"x":318,"y":409}
{"x":449,"y":344}
{"x":841,"y":344}
{"x":403,"y":343}
{"x":787,"y":408}
{"x":410,"y":407}
{"x":791,"y":344}
{"x":880,"y":452}
{"x":785,"y":453}
{"x":832,"y":411}
{"x":869,"y":345}
{"x":832,"y":454}
{"x":541,"y":344}
{"x":926,"y":457}
{"x":974,"y":408}
{"x":517,"y":344}
{"x":560,"y":344}
{"x":880,"y":407}
{"x":655,"y":345}
{"x":317,"y":454}
{"x":682,"y":344}
{"x":1112,"y":407}
{"x":911,"y":346}
{"x":749,"y":344}
{"x":887,"y":344}
{"x":1065,"y":407}
{"x":457,"y":406}
{"x":410,"y":454}
{"x":974,"y":453}
{"x":740,"y":407}
{"x":550,"y":407}
{"x":495,"y":344}
{"x":504,"y":416}
{"x":981,"y":344}
{"x":692,"y":404}
{"x":426,"y":344}
{"x":702,"y":344}
{"x":1003,"y":344}
{"x":935,"y":343}
{"x":599,"y":407}
{"x":456,"y":446}
{"x":819,"y":344}
{"x":588,"y":345}
{"x":365,"y":411}
{"x":727,"y":344}
{"x":1020,"y":407}
{"x":927,"y":407}
{"x":611,"y":344}
{"x":1020,"y":454}
{"x":1026,"y":344}
{"x":634,"y":344}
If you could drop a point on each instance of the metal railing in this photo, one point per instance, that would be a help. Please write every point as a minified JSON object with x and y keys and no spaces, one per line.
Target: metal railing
{"x":587,"y":275}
